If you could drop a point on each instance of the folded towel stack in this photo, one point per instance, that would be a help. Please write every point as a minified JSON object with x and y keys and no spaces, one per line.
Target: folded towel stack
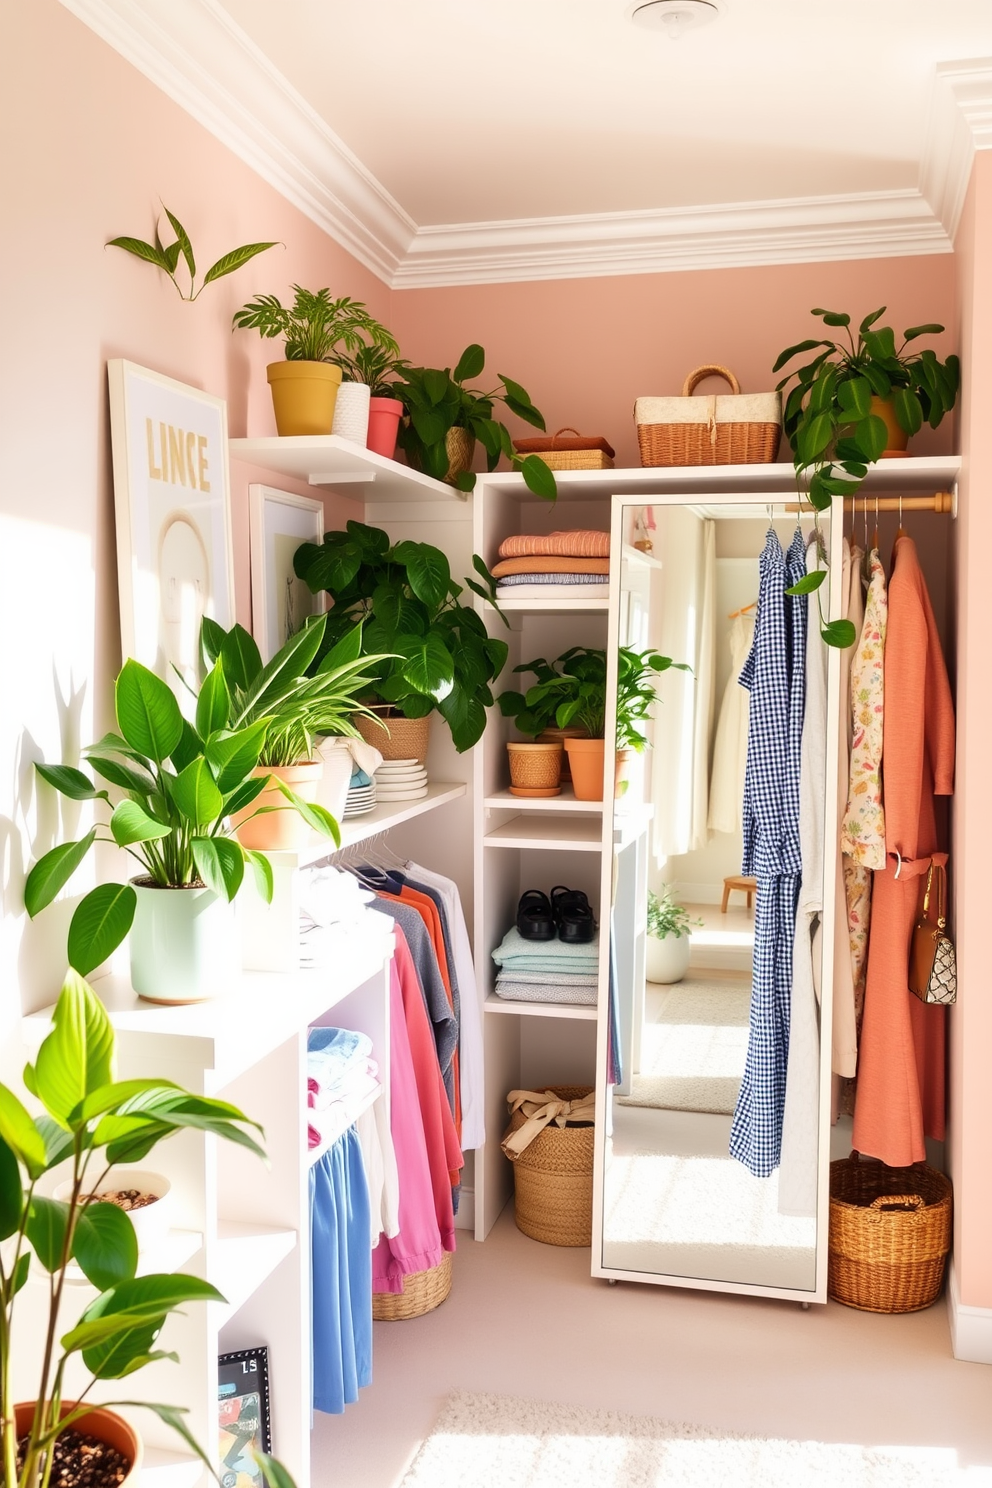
{"x":563,"y":564}
{"x":546,"y":970}
{"x":340,"y":1076}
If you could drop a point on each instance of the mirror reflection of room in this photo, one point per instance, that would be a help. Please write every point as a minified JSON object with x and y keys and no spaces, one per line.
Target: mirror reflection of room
{"x":694,"y":1184}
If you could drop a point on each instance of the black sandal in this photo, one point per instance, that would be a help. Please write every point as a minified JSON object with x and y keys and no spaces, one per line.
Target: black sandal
{"x":535,"y":920}
{"x":573,"y":915}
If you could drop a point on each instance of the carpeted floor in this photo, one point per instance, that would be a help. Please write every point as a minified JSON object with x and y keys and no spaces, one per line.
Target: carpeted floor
{"x":497,"y":1441}
{"x":693,"y":1052}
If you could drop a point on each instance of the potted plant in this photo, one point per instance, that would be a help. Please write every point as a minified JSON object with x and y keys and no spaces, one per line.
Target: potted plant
{"x":376,"y":366}
{"x":90,"y":1123}
{"x":296,"y":710}
{"x":533,"y":713}
{"x":423,"y":649}
{"x":636,"y":696}
{"x":854,"y":404}
{"x":667,"y":950}
{"x":180,"y":785}
{"x":305,"y":385}
{"x":444,"y":418}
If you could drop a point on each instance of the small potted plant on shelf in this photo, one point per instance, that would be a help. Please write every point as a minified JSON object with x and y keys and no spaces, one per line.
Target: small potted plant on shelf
{"x":636,"y":696}
{"x":444,"y":418}
{"x":423,"y":649}
{"x":305,"y":385}
{"x":91,"y":1122}
{"x":296,"y":709}
{"x":376,"y":367}
{"x":180,"y":786}
{"x":533,"y":714}
{"x":669,"y":924}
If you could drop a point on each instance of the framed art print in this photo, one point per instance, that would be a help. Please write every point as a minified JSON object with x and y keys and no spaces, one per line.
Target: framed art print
{"x":280,"y":602}
{"x":243,"y":1416}
{"x":175,"y":560}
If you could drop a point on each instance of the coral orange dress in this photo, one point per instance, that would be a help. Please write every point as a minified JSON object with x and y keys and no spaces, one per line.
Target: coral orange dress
{"x":901,"y":1081}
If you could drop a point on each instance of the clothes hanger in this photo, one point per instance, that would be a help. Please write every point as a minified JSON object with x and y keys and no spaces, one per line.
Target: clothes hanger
{"x":874,"y":540}
{"x":900,"y":530}
{"x":743,"y":610}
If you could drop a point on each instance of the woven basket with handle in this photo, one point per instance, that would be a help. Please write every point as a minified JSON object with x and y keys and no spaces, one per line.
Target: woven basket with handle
{"x":736,"y":429}
{"x":890,"y":1234}
{"x":584,"y":452}
{"x":552,"y":1176}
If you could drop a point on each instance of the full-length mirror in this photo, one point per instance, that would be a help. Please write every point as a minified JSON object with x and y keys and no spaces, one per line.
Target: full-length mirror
{"x":713,"y":1086}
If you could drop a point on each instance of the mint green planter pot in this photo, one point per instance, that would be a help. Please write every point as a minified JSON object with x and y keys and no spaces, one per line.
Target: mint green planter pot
{"x":184,"y":945}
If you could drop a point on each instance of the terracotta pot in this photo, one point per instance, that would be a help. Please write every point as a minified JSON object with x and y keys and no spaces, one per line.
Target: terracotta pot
{"x":303,"y":396}
{"x":558,"y":736}
{"x":106,"y":1425}
{"x":535,"y":767}
{"x":460,"y":447}
{"x":400,"y":738}
{"x":183,"y":944}
{"x":585,"y":758}
{"x":898,"y":438}
{"x":283,"y":830}
{"x":351,"y":412}
{"x":384,"y":423}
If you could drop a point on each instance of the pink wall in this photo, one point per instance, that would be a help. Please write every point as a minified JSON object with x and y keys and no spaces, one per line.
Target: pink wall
{"x":586,"y":348}
{"x":971,"y":1020}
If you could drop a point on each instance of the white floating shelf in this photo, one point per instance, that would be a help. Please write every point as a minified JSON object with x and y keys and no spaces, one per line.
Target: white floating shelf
{"x":247,"y":1254}
{"x":162,"y":1469}
{"x":555,"y":831}
{"x":380,"y":819}
{"x":332,"y":1133}
{"x":552,"y":606}
{"x":177,"y":1247}
{"x":503,"y":801}
{"x":494,"y":1004}
{"x":329,"y":460}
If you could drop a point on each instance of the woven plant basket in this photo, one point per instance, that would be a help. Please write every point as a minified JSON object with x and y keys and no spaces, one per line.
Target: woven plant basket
{"x":536,"y":766}
{"x":422,"y":1292}
{"x":890,"y":1234}
{"x":584,"y":452}
{"x":407,"y":737}
{"x":552,"y":1178}
{"x":744,"y":429}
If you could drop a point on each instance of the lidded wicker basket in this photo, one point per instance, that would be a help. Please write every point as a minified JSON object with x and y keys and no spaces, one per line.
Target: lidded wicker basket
{"x":552,"y":1175}
{"x":422,"y":1292}
{"x":890,"y":1234}
{"x":582,"y":452}
{"x":742,"y":429}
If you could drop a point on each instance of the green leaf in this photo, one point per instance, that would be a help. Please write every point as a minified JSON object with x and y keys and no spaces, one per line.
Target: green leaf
{"x":791,"y":351}
{"x":839,"y":633}
{"x":872,"y":436}
{"x":213,"y":706}
{"x":11,"y":1193}
{"x":130,"y":824}
{"x":122,"y":1095}
{"x":147,"y":251}
{"x":854,"y":397}
{"x":245,"y":794}
{"x":881,"y":385}
{"x":72,"y":783}
{"x":435,"y":385}
{"x":428,"y":573}
{"x":814,"y":437}
{"x":46,"y":1226}
{"x":147,"y":712}
{"x":870,"y":320}
{"x":317,"y":817}
{"x":809,"y":583}
{"x":21,"y":1273}
{"x":470,"y":363}
{"x":124,"y":776}
{"x":182,"y":238}
{"x":211,"y":640}
{"x":233,"y":755}
{"x":908,"y":409}
{"x":234,"y":260}
{"x":272,"y":1470}
{"x":99,"y":925}
{"x":263,"y":873}
{"x":931,"y":329}
{"x":465,"y":480}
{"x":105,"y":1245}
{"x":832,"y":317}
{"x":427,"y":664}
{"x":52,"y":872}
{"x":538,"y":477}
{"x":347,"y":649}
{"x":272,"y":684}
{"x":20,"y":1134}
{"x":241,"y":658}
{"x":195,"y":792}
{"x":172,"y":1416}
{"x":220,"y":863}
{"x":77,"y":1057}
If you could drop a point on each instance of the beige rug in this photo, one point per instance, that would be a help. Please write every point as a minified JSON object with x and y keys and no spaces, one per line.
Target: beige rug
{"x":692,"y":1055}
{"x":495,"y":1441}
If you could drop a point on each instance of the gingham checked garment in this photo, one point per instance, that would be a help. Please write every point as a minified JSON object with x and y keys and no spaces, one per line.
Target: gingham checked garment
{"x":775,"y":675}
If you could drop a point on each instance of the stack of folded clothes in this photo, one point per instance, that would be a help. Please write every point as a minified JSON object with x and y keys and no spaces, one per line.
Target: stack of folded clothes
{"x":567,"y":565}
{"x":341,"y":1075}
{"x":546,"y":971}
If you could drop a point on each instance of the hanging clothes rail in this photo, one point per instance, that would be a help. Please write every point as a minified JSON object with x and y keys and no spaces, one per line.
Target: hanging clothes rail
{"x":941,"y":502}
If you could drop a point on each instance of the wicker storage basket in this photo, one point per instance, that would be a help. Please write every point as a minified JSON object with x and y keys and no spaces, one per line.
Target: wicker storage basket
{"x":407,"y":738}
{"x":584,"y":452}
{"x":552,"y":1176}
{"x":744,"y":429}
{"x":422,"y":1292}
{"x":890,"y":1233}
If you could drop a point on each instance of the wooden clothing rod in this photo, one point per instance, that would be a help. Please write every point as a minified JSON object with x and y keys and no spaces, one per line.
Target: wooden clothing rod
{"x":940,"y":501}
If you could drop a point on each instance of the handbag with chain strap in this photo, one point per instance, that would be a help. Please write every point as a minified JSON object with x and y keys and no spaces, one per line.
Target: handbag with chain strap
{"x":933,"y":973}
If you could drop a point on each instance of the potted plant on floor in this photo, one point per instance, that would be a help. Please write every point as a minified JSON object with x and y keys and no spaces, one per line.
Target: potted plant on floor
{"x":669,"y":925}
{"x":90,"y":1123}
{"x":444,"y":418}
{"x":424,"y":650}
{"x":180,"y":785}
{"x":305,"y":385}
{"x":296,"y":710}
{"x":376,"y":367}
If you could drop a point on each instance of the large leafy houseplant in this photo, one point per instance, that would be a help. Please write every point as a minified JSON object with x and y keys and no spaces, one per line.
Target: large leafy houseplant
{"x":180,"y":785}
{"x":437,"y":401}
{"x":572,"y":690}
{"x":423,"y":649}
{"x":91,"y":1122}
{"x":315,"y":326}
{"x":377,"y":365}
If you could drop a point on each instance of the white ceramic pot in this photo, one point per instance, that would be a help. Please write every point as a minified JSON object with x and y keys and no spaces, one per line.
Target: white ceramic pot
{"x":351,"y":413}
{"x":666,"y":960}
{"x":332,"y":792}
{"x":184,"y":944}
{"x":153,"y":1222}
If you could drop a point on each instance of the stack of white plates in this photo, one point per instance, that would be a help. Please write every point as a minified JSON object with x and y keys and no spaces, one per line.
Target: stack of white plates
{"x":360,"y":800}
{"x":400,"y":780}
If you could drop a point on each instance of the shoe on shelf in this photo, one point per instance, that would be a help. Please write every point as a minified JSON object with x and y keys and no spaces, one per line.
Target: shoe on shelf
{"x":535,"y":920}
{"x":573,"y":915}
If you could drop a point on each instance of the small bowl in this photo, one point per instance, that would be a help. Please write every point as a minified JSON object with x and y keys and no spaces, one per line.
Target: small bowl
{"x":153,"y":1222}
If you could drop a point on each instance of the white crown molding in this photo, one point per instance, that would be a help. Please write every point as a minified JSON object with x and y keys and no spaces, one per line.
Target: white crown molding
{"x":960,"y":124}
{"x":971,"y":1327}
{"x":195,"y":52}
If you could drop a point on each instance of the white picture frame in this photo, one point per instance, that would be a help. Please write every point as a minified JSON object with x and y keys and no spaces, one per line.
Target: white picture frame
{"x":278,"y":522}
{"x":172,"y":497}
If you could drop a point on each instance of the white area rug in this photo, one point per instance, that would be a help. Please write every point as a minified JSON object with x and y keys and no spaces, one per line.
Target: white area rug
{"x":692,"y":1055}
{"x":494,"y":1441}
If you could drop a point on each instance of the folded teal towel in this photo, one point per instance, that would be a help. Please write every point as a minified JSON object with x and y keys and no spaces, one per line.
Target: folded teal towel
{"x":518,"y":954}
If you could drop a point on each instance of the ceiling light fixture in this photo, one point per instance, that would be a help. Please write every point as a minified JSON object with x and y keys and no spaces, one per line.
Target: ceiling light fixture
{"x":673,"y":17}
